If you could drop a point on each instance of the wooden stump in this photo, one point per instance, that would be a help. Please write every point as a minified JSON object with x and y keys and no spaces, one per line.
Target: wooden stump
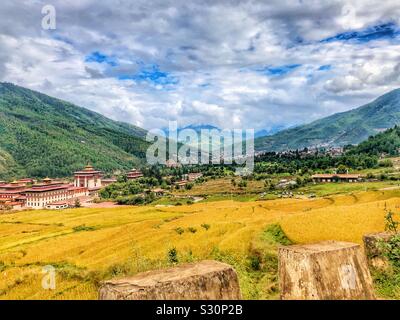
{"x":374,"y":254}
{"x":324,"y":271}
{"x":205,"y":280}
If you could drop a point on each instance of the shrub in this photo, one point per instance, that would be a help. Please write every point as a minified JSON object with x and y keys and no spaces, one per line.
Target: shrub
{"x":172,"y":256}
{"x":391,"y":250}
{"x":386,"y":163}
{"x":179,"y":230}
{"x":189,"y":186}
{"x":390,"y":224}
{"x":206,"y":226}
{"x":192,"y":230}
{"x":242,"y":184}
{"x":255,"y":262}
{"x":83,"y":227}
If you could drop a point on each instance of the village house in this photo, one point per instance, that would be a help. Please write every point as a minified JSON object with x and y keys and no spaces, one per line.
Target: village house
{"x":134,"y":174}
{"x":194,"y":176}
{"x":181,"y":184}
{"x":345,"y":177}
{"x":108,"y":181}
{"x":171,"y":163}
{"x":158,"y":191}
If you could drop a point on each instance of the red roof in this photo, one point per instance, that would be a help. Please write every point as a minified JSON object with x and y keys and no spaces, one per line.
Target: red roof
{"x":88,"y":170}
{"x":94,"y":188}
{"x":342,"y":176}
{"x":181,"y":183}
{"x":58,"y":203}
{"x":14,"y":203}
{"x":72,"y":188}
{"x":13,"y":192}
{"x":44,"y":188}
{"x":12,"y":186}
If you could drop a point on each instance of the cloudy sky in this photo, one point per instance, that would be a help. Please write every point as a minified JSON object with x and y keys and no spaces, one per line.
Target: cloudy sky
{"x":233,"y":64}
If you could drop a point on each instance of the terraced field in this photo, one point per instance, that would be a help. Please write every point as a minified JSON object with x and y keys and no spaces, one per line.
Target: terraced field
{"x":88,"y":245}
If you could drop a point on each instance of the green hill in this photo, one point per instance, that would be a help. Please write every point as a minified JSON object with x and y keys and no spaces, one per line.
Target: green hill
{"x":43,"y":136}
{"x":340,"y":129}
{"x":387,"y":142}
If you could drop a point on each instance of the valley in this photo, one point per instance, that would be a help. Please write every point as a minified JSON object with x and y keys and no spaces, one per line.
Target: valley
{"x":86,"y":245}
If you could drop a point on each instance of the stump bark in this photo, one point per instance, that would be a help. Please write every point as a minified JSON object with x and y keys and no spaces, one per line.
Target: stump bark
{"x":373,"y":252}
{"x":324,"y":271}
{"x":205,"y":280}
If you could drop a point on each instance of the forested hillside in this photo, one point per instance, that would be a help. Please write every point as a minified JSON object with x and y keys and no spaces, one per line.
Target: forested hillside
{"x":43,"y":136}
{"x":387,"y":142}
{"x":340,"y":129}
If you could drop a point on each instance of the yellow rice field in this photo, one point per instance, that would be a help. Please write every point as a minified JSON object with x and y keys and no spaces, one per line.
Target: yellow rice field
{"x":88,"y":245}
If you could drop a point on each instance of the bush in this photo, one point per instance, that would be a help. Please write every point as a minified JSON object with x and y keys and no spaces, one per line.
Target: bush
{"x":192,"y":230}
{"x":83,"y":228}
{"x":172,"y":256}
{"x":255,"y":263}
{"x":206,"y":226}
{"x":189,"y":186}
{"x":386,"y":163}
{"x":179,"y":230}
{"x":391,"y":250}
{"x":242,"y":184}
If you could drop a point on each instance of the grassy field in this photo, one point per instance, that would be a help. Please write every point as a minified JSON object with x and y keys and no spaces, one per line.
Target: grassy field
{"x":325,"y":189}
{"x":88,"y":245}
{"x":212,"y":189}
{"x":222,"y":186}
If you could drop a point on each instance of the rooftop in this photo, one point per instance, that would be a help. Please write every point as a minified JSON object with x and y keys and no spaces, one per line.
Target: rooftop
{"x":338,"y":175}
{"x":44,"y":188}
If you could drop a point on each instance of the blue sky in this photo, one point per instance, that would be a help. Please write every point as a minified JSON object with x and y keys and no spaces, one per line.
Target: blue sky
{"x":232,"y":64}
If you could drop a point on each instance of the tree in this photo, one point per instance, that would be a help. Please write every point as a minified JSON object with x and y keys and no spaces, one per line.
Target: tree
{"x":342,"y":169}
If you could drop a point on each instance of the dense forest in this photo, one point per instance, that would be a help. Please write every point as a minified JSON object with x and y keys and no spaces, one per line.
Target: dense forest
{"x":384,"y":143}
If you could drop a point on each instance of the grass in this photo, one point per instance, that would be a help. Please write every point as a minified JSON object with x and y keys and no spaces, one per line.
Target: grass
{"x":223,"y":186}
{"x":324,"y":189}
{"x":128,"y":240}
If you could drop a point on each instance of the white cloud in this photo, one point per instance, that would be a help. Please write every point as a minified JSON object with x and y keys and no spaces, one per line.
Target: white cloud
{"x":209,"y":56}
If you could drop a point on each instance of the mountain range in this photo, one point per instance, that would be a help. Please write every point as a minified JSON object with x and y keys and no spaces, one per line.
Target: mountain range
{"x":44,"y":136}
{"x":340,"y":129}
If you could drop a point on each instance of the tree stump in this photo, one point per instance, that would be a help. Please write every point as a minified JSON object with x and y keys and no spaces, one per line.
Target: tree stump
{"x":374,"y":254}
{"x":324,"y":271}
{"x":205,"y":280}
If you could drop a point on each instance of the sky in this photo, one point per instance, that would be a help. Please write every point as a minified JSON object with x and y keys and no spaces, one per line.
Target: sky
{"x":233,"y":64}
